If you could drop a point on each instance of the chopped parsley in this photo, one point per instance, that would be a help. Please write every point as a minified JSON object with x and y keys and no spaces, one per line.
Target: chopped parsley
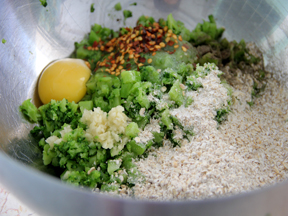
{"x":118,"y":6}
{"x":250,"y":103}
{"x":43,"y":2}
{"x":92,"y":9}
{"x":127,"y":14}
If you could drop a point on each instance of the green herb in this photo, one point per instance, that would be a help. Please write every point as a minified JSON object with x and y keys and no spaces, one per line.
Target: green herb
{"x":222,"y":115}
{"x":262,"y":75}
{"x":127,"y":14}
{"x":3,"y":41}
{"x":256,"y":90}
{"x":92,"y":9}
{"x":250,"y":103}
{"x":43,"y":2}
{"x":133,"y":4}
{"x":118,"y":6}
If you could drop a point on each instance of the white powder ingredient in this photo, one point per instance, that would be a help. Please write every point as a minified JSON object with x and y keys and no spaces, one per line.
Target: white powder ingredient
{"x":146,"y":135}
{"x":249,"y":151}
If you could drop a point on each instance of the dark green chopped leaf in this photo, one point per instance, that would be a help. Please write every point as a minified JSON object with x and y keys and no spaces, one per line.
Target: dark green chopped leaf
{"x":92,"y":9}
{"x":250,"y":103}
{"x":43,"y":2}
{"x":126,"y":14}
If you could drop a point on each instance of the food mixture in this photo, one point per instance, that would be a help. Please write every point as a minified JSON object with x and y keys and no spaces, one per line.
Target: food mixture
{"x":167,"y":114}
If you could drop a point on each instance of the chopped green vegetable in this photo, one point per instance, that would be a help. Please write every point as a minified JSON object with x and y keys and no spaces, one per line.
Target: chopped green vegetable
{"x":92,"y":9}
{"x":52,"y":116}
{"x":118,"y":6}
{"x":176,"y":93}
{"x":113,"y":165}
{"x":204,"y":33}
{"x":30,"y":111}
{"x":250,"y":103}
{"x":256,"y":90}
{"x":133,"y":4}
{"x":88,"y":105}
{"x":178,"y":28}
{"x":126,"y":14}
{"x":3,"y":41}
{"x":222,"y":115}
{"x":136,"y":148}
{"x":43,"y":2}
{"x":132,"y":130}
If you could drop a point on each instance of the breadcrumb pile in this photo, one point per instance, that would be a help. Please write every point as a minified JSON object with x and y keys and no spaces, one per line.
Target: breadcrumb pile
{"x":247,"y":152}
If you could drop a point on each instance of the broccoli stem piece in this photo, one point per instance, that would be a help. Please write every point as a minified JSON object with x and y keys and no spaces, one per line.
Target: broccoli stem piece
{"x":30,"y":111}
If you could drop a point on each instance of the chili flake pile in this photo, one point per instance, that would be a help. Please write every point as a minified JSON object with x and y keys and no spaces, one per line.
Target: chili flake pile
{"x":127,"y":48}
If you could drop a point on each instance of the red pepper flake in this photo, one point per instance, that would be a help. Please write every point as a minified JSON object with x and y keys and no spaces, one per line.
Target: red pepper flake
{"x":135,"y":43}
{"x":138,"y":50}
{"x":170,"y":43}
{"x":146,"y":50}
{"x":95,"y":44}
{"x":138,"y":40}
{"x":148,"y":38}
{"x":142,"y":59}
{"x":171,"y":52}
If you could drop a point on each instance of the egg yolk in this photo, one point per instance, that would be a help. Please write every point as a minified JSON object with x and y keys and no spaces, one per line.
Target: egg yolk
{"x":64,"y":78}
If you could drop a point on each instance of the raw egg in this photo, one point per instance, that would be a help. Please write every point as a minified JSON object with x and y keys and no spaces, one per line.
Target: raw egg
{"x":64,"y":78}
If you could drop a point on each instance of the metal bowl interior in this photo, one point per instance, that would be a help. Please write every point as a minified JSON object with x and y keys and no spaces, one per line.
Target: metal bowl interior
{"x":36,"y":35}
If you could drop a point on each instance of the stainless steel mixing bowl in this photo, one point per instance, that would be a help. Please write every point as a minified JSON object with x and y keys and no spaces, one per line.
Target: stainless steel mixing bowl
{"x":36,"y":35}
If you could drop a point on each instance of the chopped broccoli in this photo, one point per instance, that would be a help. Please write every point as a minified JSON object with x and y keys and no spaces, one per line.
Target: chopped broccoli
{"x":109,"y":187}
{"x":52,"y":116}
{"x":77,"y":178}
{"x":178,"y":27}
{"x":118,"y":6}
{"x":92,"y":9}
{"x":43,"y":3}
{"x":30,"y":111}
{"x":136,"y":148}
{"x":206,"y":32}
{"x":192,"y":83}
{"x":132,"y":130}
{"x":126,"y":14}
{"x":145,"y":21}
{"x":176,"y":93}
{"x":150,"y":74}
{"x":77,"y":156}
{"x":113,"y":165}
